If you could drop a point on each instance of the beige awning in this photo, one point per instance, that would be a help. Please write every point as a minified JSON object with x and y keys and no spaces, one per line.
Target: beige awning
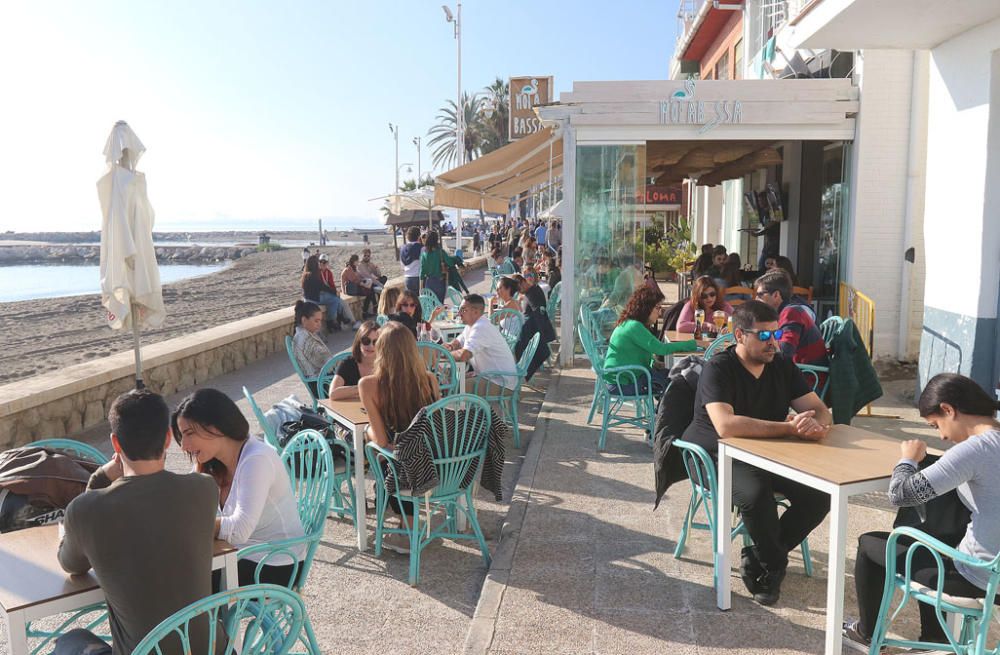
{"x":492,"y":180}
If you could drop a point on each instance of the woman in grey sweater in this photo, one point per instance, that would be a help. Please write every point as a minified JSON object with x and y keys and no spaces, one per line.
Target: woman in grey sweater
{"x":964,"y":414}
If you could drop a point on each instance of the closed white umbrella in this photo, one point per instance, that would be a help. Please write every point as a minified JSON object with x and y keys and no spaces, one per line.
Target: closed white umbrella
{"x":421,"y":199}
{"x":130,"y":279}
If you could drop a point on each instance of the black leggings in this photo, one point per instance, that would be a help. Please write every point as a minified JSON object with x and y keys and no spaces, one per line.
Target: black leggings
{"x":774,"y":537}
{"x":869,"y":580}
{"x":246,"y":570}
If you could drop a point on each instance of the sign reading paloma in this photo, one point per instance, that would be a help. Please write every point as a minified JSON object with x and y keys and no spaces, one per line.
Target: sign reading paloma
{"x":683,"y":109}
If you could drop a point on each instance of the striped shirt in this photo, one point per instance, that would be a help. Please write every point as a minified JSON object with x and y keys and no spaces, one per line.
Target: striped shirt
{"x":802,"y":340}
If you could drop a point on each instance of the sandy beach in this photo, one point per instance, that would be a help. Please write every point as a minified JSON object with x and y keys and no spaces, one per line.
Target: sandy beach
{"x":38,"y":336}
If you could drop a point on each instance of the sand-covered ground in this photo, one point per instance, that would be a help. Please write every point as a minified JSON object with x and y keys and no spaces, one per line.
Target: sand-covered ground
{"x":38,"y":336}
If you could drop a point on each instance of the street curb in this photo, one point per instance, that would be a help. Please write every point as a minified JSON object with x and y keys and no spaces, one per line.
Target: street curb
{"x":479,"y":637}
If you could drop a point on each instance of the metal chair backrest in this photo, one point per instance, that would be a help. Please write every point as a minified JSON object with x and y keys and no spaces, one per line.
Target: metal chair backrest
{"x":457,"y":439}
{"x":830,"y":328}
{"x":430,"y":295}
{"x":529,"y":354}
{"x":427,"y":307}
{"x":509,"y":322}
{"x":738,"y":291}
{"x":590,"y":350}
{"x":381,"y":320}
{"x":325,"y":377}
{"x":815,"y":374}
{"x":553,"y":304}
{"x":718,"y":345}
{"x":309,"y":462}
{"x":442,"y":364}
{"x":73,"y":448}
{"x":269,"y":618}
{"x":290,"y":349}
{"x":270,"y":435}
{"x":701,"y":473}
{"x":506,"y":268}
{"x":455,"y":296}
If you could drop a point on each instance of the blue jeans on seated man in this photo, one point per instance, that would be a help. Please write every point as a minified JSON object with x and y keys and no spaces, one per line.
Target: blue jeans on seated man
{"x":660,"y":382}
{"x":336,"y":309}
{"x":81,"y":642}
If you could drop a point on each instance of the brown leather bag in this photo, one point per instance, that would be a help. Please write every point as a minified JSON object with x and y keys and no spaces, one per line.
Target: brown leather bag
{"x":47,"y":478}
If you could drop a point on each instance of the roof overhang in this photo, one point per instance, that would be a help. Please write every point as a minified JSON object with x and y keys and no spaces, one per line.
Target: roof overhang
{"x":884,"y":24}
{"x":489,"y":182}
{"x":709,"y":23}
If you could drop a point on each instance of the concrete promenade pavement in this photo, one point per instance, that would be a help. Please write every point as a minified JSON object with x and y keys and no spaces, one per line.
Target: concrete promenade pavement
{"x":586,"y":566}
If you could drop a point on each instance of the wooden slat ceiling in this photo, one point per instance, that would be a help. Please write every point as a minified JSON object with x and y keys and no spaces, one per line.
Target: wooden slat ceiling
{"x":711,"y":162}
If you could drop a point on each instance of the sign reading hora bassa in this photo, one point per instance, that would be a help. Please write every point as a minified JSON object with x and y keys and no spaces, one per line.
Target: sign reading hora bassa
{"x":683,"y":108}
{"x":526,"y":93}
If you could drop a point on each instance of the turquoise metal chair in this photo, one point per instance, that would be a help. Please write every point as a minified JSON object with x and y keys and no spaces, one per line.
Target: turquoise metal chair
{"x":592,"y":352}
{"x":507,"y":267}
{"x":270,"y":434}
{"x":494,"y":280}
{"x":509,"y":322}
{"x":613,"y":402}
{"x":973,"y":614}
{"x":552,"y":306}
{"x":381,"y":320}
{"x":306,"y":380}
{"x":325,"y":377}
{"x":456,"y":448}
{"x":700,"y":469}
{"x":817,"y":376}
{"x":74,"y":448}
{"x":441,"y":363}
{"x":455,"y":296}
{"x":97,"y":614}
{"x":269,"y":618}
{"x":490,"y":387}
{"x":718,"y":345}
{"x":830,"y":328}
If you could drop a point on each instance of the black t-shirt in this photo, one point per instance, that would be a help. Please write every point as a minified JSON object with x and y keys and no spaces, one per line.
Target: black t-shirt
{"x":725,"y":380}
{"x":536,"y":296}
{"x":349,"y":371}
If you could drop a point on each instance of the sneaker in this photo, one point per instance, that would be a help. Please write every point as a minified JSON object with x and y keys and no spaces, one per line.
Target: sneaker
{"x":750,"y":569}
{"x":853,"y":638}
{"x":770,"y":587}
{"x":397,"y":543}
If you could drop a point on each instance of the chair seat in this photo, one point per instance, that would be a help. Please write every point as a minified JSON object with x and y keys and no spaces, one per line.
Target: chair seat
{"x":957,"y":601}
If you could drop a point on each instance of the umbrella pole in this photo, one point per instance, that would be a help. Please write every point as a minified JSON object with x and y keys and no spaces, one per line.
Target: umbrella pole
{"x":139,"y":384}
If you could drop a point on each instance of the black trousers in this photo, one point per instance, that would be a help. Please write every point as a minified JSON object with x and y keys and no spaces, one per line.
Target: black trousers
{"x":869,"y":580}
{"x":774,"y":537}
{"x":245,"y":568}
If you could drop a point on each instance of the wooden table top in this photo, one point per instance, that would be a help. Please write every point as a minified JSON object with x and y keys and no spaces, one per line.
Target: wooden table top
{"x":350,"y":410}
{"x":674,"y":335}
{"x":847,"y":455}
{"x":29,"y":560}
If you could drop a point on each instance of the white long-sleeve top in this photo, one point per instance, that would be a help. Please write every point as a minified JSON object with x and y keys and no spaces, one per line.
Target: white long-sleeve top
{"x":261,"y":507}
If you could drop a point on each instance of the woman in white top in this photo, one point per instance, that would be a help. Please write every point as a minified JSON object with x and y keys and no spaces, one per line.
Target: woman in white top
{"x":256,"y":503}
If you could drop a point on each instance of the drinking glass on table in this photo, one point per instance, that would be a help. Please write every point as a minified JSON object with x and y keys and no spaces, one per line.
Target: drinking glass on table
{"x":719,"y":318}
{"x":699,"y":320}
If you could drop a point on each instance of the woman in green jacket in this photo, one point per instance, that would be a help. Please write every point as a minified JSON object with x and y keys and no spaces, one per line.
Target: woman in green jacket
{"x":434,"y":263}
{"x":633,"y":342}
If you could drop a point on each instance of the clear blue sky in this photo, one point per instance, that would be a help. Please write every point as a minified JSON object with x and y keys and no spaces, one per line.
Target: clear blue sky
{"x":254,"y":110}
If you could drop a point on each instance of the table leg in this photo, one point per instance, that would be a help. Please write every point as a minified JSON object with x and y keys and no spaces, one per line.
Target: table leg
{"x":359,"y":487}
{"x":462,"y":370}
{"x":17,"y":636}
{"x":723,"y":521}
{"x":230,"y":573}
{"x":835,"y":571}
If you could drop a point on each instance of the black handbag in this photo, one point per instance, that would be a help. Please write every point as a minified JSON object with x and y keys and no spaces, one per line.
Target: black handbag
{"x":946,"y":517}
{"x":313,"y":420}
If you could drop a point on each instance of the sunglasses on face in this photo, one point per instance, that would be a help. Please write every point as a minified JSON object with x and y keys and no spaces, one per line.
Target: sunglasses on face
{"x":766,"y":335}
{"x":407,"y":304}
{"x":368,"y":341}
{"x":708,"y":294}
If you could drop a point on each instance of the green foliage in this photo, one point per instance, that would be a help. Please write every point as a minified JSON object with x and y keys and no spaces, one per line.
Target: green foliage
{"x":678,"y":238}
{"x":269,"y":247}
{"x":666,"y":251}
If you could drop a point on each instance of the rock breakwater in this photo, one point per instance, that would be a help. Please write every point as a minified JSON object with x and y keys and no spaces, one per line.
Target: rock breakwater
{"x":86,"y":254}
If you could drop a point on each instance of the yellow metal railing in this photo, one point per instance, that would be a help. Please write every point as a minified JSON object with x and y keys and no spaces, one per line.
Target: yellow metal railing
{"x":861,"y":309}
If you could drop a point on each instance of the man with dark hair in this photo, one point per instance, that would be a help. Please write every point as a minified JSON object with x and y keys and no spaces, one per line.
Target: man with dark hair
{"x":409,"y":258}
{"x":481,"y":343}
{"x":801,"y":340}
{"x":746,"y":391}
{"x":146,"y":532}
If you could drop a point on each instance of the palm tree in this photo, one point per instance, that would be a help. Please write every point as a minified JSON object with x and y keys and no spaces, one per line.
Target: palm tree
{"x":443,"y":134}
{"x":496,"y":115}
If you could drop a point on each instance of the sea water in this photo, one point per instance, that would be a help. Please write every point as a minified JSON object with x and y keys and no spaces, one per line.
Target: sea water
{"x":28,"y":282}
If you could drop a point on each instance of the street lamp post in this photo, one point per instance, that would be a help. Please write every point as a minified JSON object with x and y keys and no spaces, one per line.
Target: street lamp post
{"x":395,"y":135}
{"x":459,"y":109}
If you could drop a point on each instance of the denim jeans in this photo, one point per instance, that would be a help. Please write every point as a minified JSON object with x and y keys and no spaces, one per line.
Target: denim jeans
{"x":413,"y":284}
{"x":435,"y":284}
{"x":336,"y":309}
{"x":81,"y":642}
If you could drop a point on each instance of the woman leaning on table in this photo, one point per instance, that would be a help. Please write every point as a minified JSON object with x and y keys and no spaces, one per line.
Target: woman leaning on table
{"x":359,"y":364}
{"x":706,"y":295}
{"x":964,"y":414}
{"x":398,"y":388}
{"x":256,"y":503}
{"x":634,"y":343}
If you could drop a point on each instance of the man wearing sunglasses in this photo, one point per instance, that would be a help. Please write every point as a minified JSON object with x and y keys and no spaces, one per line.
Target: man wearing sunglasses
{"x":747,"y":391}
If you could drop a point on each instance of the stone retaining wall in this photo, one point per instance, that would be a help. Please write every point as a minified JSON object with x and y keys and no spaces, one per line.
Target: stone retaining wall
{"x":72,"y":399}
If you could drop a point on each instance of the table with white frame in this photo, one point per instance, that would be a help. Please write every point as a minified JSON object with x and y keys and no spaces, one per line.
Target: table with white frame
{"x":849,"y":461}
{"x":34,"y":586}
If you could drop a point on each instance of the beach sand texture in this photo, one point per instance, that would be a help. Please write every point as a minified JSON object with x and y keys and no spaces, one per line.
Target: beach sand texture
{"x":39,"y":336}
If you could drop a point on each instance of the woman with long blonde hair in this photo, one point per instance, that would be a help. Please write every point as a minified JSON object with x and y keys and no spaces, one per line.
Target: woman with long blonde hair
{"x":395,"y":392}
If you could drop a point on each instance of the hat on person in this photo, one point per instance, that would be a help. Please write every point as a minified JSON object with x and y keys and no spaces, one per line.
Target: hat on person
{"x":324,"y":258}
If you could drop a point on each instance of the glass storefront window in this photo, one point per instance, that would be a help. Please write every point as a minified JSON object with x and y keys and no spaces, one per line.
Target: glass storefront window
{"x":610,"y":184}
{"x":832,"y":241}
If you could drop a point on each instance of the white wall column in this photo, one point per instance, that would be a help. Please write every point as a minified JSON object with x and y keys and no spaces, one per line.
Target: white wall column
{"x":567,"y":335}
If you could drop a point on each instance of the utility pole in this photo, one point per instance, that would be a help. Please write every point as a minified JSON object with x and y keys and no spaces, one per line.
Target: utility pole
{"x":459,"y":108}
{"x":416,"y":142}
{"x":395,"y":135}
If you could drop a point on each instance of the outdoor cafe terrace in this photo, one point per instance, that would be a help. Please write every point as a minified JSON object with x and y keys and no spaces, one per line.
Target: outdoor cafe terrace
{"x":581,"y":563}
